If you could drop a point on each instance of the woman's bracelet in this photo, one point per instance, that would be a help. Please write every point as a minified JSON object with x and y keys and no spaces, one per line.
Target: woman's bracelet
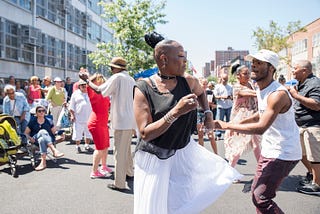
{"x":207,"y":111}
{"x":169,"y":118}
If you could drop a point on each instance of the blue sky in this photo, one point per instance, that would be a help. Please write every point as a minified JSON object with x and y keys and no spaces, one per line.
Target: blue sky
{"x":204,"y":26}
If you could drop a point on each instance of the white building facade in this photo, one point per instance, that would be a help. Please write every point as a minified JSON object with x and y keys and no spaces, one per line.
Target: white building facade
{"x":49,"y":37}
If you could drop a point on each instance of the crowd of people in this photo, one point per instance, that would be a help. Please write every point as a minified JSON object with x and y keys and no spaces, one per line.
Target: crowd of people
{"x":280,"y":123}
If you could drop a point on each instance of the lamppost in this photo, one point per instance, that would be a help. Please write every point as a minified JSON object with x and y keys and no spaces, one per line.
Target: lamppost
{"x":34,"y":20}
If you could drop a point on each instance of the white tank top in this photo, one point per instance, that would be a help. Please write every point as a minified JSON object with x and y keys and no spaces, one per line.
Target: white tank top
{"x":281,"y":140}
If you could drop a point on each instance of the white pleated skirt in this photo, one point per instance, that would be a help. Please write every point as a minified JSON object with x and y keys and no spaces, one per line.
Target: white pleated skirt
{"x":187,"y":182}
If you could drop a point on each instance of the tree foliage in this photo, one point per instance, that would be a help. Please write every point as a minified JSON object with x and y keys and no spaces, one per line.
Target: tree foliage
{"x":276,"y":37}
{"x":129,"y":23}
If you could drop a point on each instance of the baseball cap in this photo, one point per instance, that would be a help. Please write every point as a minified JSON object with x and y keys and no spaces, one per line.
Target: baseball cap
{"x":57,"y":79}
{"x":265,"y":56}
{"x":81,"y":82}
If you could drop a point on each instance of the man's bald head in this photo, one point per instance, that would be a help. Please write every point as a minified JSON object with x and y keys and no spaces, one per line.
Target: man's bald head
{"x":305,"y":64}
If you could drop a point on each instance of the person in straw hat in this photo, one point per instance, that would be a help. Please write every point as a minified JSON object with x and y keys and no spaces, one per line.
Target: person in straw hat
{"x":120,"y":87}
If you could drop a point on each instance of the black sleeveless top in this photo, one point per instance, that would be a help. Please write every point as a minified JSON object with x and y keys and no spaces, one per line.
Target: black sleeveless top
{"x":179,"y":133}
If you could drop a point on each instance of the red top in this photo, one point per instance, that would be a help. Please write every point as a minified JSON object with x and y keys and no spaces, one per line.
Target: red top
{"x":100,"y":105}
{"x":34,"y":93}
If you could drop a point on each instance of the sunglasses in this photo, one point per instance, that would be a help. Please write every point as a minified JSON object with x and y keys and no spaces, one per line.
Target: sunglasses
{"x":41,"y":110}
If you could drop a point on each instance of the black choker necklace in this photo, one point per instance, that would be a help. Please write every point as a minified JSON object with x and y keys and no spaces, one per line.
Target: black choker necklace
{"x":166,"y":77}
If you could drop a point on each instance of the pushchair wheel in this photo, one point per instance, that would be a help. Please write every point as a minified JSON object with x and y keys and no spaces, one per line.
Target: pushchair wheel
{"x":33,"y":162}
{"x":14,"y":171}
{"x":13,"y":163}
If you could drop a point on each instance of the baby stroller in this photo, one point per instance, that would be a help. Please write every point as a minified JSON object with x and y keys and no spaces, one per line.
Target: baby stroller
{"x":10,"y":142}
{"x":65,"y":123}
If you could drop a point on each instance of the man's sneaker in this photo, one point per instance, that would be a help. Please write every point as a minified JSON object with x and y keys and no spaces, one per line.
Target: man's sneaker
{"x":78,"y":149}
{"x":97,"y":174}
{"x":89,"y":149}
{"x":105,"y":170}
{"x":311,"y":189}
{"x":306,"y":180}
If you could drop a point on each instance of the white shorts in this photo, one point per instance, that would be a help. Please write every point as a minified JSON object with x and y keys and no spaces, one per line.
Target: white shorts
{"x":80,"y":130}
{"x":187,"y":182}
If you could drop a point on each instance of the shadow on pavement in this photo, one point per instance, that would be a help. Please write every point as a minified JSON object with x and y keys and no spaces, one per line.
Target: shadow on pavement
{"x":130,"y":182}
{"x":289,"y":184}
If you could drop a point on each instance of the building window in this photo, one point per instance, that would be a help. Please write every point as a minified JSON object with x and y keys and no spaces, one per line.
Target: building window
{"x":41,"y":49}
{"x":93,"y":5}
{"x":70,"y":56}
{"x":77,"y":21}
{"x":51,"y":51}
{"x":299,"y":47}
{"x":52,"y":11}
{"x":60,"y":54}
{"x":77,"y":55}
{"x":26,"y":4}
{"x":27,"y":53}
{"x":84,"y":57}
{"x":94,"y":32}
{"x":106,"y":36}
{"x":316,"y":40}
{"x":70,"y":19}
{"x":41,"y":8}
{"x":11,"y":40}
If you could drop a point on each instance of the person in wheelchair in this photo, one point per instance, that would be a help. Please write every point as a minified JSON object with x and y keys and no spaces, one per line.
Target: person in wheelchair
{"x":41,"y":130}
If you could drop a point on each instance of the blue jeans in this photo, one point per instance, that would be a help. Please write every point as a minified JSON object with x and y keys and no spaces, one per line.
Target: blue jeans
{"x":221,"y":114}
{"x":43,"y":138}
{"x":21,"y":127}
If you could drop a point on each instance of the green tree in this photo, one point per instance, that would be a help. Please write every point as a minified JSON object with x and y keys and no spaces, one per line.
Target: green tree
{"x":276,"y":37}
{"x":212,"y":79}
{"x":129,"y":22}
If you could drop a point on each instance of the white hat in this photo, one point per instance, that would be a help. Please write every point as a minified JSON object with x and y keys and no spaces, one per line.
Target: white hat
{"x":265,"y":56}
{"x":57,"y":79}
{"x":81,"y":82}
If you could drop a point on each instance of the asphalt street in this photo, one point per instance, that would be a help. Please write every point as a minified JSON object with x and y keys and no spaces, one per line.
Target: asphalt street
{"x":65,"y":187}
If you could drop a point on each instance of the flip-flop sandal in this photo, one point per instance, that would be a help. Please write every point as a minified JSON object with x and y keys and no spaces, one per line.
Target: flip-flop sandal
{"x":40,"y":169}
{"x":59,"y":155}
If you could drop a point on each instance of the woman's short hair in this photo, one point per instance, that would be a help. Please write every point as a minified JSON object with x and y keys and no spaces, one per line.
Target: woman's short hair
{"x":8,"y":88}
{"x":34,"y":78}
{"x":97,"y":77}
{"x":39,"y":107}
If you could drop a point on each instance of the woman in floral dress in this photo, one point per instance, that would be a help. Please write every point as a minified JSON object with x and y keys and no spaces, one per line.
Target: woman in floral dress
{"x":245,"y":104}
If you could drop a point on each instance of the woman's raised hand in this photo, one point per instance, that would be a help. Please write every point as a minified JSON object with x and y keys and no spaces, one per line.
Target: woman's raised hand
{"x":186,"y":104}
{"x":83,"y":74}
